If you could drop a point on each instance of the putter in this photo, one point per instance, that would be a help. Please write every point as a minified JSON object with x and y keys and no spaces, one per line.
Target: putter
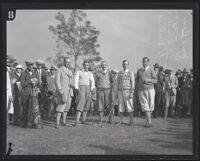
{"x":92,"y":116}
{"x":108,"y":116}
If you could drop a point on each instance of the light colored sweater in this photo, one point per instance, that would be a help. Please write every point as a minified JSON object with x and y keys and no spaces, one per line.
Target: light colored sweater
{"x":83,"y":78}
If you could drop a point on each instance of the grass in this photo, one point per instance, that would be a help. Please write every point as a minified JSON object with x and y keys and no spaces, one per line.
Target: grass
{"x":172,"y":136}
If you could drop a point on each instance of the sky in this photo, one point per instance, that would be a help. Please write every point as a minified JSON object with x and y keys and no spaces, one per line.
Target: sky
{"x":124,"y":34}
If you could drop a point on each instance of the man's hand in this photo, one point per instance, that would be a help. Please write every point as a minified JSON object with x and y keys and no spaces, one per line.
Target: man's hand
{"x":10,"y":98}
{"x":13,"y":80}
{"x":131,"y":95}
{"x":61,"y":91}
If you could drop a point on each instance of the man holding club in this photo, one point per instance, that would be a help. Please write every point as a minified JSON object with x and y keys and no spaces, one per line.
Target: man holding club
{"x":125,"y":86}
{"x":104,"y":98}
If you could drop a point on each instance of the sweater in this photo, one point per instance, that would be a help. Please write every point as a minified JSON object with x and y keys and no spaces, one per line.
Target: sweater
{"x":146,"y":75}
{"x":83,"y":78}
{"x":103,"y":80}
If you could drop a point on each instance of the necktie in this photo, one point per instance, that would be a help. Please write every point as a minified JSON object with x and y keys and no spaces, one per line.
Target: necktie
{"x":40,"y":77}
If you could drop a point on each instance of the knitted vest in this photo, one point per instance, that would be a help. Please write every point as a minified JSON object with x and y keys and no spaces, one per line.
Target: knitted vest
{"x":124,"y":80}
{"x":103,"y":80}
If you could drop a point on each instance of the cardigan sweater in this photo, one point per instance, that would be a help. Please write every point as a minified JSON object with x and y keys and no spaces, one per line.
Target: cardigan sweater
{"x":146,"y":75}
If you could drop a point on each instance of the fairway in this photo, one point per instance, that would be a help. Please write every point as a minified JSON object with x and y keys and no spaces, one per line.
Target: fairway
{"x":173,"y":136}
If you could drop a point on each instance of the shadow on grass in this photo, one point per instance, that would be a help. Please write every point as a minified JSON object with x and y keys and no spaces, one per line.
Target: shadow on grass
{"x":116,"y":151}
{"x":180,"y":131}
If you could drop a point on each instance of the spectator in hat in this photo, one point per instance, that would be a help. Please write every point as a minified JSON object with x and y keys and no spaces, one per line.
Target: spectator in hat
{"x":17,"y":96}
{"x":182,"y":79}
{"x":187,"y":93}
{"x":170,"y":84}
{"x":178,"y":95}
{"x":28,"y":78}
{"x":51,"y":92}
{"x":146,"y":78}
{"x":158,"y":89}
{"x":9,"y":105}
{"x":42,"y":81}
{"x":10,"y":67}
{"x":114,"y":90}
{"x":11,"y":71}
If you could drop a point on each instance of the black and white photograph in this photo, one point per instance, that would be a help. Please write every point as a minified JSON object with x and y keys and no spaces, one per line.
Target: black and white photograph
{"x":99,"y":82}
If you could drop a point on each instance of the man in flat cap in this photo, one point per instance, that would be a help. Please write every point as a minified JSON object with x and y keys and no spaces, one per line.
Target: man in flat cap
{"x":28,"y":78}
{"x":187,"y":92}
{"x":17,"y":95}
{"x":42,"y":81}
{"x":9,"y":105}
{"x":170,"y":85}
{"x":51,"y":91}
{"x":11,"y":71}
{"x":158,"y":89}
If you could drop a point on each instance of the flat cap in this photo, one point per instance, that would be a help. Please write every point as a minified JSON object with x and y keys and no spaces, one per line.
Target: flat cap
{"x":185,"y":71}
{"x":39,"y":62}
{"x":10,"y":58}
{"x":29,"y":62}
{"x":53,"y":68}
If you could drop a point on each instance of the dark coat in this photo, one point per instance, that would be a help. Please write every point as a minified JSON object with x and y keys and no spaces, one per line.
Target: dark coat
{"x":16,"y":88}
{"x":51,"y":84}
{"x":43,"y":82}
{"x":26,"y":81}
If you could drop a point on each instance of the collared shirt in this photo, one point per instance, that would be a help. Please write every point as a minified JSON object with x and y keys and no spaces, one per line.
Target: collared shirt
{"x":145,"y":69}
{"x":104,"y":71}
{"x":126,"y":71}
{"x":53,"y":76}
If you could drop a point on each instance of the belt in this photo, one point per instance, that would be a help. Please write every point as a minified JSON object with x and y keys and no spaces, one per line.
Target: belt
{"x":102,"y":89}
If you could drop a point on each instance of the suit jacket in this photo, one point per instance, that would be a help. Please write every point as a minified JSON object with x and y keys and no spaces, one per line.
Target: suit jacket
{"x":26,"y":81}
{"x":159,"y":85}
{"x":17,"y":85}
{"x":64,"y":80}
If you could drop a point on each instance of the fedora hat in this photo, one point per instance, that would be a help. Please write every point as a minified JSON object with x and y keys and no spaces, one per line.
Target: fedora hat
{"x":53,"y":68}
{"x":11,"y":58}
{"x":156,"y":65}
{"x":19,"y":66}
{"x":185,"y":71}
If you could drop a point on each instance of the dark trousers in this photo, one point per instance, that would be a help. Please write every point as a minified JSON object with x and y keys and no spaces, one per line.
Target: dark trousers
{"x":26,"y":109}
{"x":50,"y":106}
{"x":158,"y":97}
{"x":17,"y":109}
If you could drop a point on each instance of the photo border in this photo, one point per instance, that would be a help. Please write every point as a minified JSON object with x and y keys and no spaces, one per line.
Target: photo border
{"x":103,"y":5}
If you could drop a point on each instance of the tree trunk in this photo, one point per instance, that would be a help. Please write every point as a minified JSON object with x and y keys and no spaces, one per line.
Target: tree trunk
{"x":75,"y":65}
